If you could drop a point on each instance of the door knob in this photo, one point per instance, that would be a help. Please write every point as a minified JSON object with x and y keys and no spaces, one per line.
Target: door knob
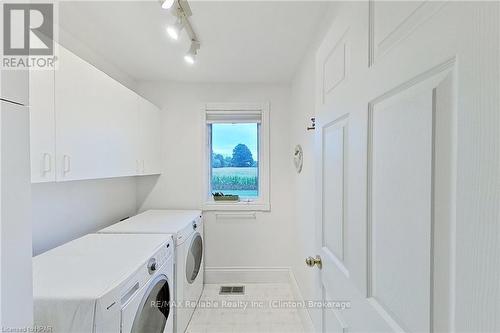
{"x":310,"y":261}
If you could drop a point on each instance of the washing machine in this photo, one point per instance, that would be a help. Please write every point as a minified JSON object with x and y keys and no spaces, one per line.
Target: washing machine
{"x":187,"y":229}
{"x":104,"y":283}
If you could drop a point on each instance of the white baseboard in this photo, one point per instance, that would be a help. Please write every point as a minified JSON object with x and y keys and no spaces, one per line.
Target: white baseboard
{"x":247,"y":275}
{"x":305,"y":318}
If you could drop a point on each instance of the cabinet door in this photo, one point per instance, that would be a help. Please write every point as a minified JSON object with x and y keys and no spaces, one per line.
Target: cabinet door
{"x":150,"y":138}
{"x":14,"y":86}
{"x":42,"y":126}
{"x":96,"y":122}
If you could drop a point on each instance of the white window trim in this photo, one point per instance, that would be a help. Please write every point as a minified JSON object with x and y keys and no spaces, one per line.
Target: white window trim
{"x":263,"y":203}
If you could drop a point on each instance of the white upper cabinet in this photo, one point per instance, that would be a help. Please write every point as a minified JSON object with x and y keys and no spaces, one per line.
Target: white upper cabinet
{"x":150,"y":161}
{"x":42,"y":126}
{"x":14,"y":86}
{"x":85,"y":125}
{"x":96,"y":119}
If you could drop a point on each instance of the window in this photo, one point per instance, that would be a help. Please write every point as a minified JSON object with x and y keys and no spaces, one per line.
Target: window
{"x":237,"y":156}
{"x":235,"y":166}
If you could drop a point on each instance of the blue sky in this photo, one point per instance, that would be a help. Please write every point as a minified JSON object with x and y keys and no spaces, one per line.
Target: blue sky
{"x":226,"y":136}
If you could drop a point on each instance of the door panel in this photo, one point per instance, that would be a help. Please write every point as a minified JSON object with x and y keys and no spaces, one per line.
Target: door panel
{"x":392,"y":21}
{"x":397,"y":144}
{"x":96,"y":119}
{"x":334,"y":135}
{"x":42,"y":126}
{"x":400,"y":215}
{"x":333,"y":322}
{"x":402,"y":181}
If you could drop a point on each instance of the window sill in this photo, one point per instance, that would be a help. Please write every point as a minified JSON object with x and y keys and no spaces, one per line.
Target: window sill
{"x":236,"y":206}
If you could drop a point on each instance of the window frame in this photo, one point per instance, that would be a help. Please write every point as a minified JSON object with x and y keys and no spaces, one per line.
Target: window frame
{"x":262,"y":202}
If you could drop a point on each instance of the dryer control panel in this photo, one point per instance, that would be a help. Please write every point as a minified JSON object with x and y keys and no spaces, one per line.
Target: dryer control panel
{"x":160,"y":257}
{"x":197,"y":223}
{"x":154,"y":265}
{"x":156,"y":262}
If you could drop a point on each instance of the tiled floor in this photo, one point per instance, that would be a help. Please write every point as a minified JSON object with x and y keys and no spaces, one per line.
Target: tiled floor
{"x":263,"y":308}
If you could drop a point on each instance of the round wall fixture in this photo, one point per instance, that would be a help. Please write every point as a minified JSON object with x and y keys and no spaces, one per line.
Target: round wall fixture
{"x":298,"y":158}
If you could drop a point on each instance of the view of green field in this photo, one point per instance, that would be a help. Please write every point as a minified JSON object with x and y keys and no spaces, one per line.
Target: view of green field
{"x":242,"y":172}
{"x":236,"y":181}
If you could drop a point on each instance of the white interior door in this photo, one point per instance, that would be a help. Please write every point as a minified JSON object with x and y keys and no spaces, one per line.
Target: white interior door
{"x":407,"y":101}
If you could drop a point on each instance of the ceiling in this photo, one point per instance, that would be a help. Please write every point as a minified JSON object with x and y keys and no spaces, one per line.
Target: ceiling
{"x":241,"y":41}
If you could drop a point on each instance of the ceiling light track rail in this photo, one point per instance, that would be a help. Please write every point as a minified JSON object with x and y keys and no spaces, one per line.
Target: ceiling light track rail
{"x":182,"y":10}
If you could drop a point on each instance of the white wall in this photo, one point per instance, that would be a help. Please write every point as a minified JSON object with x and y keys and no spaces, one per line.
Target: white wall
{"x":65,"y":211}
{"x":262,"y":242}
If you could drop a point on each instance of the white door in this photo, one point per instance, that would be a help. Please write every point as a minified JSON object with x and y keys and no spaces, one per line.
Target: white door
{"x":407,"y":151}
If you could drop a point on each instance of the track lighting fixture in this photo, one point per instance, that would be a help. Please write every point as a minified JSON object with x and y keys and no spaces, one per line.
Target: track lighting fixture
{"x":181,"y":10}
{"x":193,"y":51}
{"x":175,"y":29}
{"x":167,"y":4}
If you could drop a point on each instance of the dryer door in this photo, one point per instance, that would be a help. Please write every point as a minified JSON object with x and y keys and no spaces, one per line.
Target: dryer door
{"x":194,"y":257}
{"x":154,"y":308}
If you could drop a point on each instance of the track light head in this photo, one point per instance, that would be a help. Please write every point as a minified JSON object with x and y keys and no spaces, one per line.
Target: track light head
{"x":167,"y":4}
{"x":189,"y":59}
{"x":190,"y":56}
{"x":175,"y":29}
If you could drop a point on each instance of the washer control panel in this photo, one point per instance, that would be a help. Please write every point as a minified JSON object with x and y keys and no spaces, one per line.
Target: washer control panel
{"x":152,"y":266}
{"x":160,"y":257}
